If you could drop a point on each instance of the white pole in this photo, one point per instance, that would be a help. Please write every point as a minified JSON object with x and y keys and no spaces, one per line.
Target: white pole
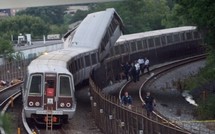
{"x":44,"y":39}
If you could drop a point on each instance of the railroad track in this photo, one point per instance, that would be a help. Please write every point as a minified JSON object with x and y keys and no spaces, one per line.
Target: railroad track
{"x":136,"y":89}
{"x":7,"y":97}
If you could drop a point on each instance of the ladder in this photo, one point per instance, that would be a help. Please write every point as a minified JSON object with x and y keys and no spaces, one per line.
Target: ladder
{"x":49,"y":117}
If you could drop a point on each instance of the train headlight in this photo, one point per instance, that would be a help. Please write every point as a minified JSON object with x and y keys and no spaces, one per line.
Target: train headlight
{"x":37,"y":103}
{"x":62,"y":104}
{"x":68,"y":104}
{"x":31,"y":103}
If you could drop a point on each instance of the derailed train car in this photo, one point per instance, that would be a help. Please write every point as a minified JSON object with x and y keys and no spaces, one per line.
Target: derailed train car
{"x":51,"y":78}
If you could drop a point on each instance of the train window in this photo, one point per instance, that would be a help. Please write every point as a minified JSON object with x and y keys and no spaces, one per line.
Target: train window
{"x":111,"y":51}
{"x":87,"y":60}
{"x":176,"y":38}
{"x":76,"y":65}
{"x":189,"y":35}
{"x":151,"y":42}
{"x":139,"y":45}
{"x":133,"y":46}
{"x":169,"y":39}
{"x":182,"y":36}
{"x":163,"y":40}
{"x":196,"y":35}
{"x":126,"y":47}
{"x":79,"y":63}
{"x":122,"y":48}
{"x":65,"y":88}
{"x":117,"y":50}
{"x":82,"y":61}
{"x":73,"y":68}
{"x":144,"y":44}
{"x":157,"y":41}
{"x":36,"y":84}
{"x":93,"y":58}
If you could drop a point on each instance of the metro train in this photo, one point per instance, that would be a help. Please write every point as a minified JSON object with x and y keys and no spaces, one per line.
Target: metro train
{"x":51,"y":78}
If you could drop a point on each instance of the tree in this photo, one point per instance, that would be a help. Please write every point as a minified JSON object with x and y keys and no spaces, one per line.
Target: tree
{"x":137,"y":15}
{"x":23,"y":24}
{"x":5,"y":47}
{"x":51,"y":14}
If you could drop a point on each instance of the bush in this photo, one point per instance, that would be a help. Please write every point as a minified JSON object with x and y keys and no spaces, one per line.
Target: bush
{"x":206,"y":108}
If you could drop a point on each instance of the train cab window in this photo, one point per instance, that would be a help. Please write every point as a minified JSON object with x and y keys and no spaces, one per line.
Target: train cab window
{"x":163,"y":40}
{"x":176,"y":38}
{"x":196,"y":35}
{"x":189,"y":35}
{"x":36,"y":85}
{"x":122,"y":48}
{"x":65,"y":88}
{"x":151,"y":42}
{"x":169,"y":39}
{"x":144,"y":44}
{"x":133,"y":46}
{"x":87,"y":60}
{"x":116,"y":50}
{"x":157,"y":41}
{"x":139,"y":45}
{"x":93,"y":58}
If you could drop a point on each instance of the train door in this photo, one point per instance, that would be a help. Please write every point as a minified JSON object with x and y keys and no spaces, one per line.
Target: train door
{"x":50,"y":91}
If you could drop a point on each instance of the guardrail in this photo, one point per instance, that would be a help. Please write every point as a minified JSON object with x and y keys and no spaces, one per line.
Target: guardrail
{"x":109,"y":113}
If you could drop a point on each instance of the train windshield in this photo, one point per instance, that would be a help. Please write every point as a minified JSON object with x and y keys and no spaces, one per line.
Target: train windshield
{"x":65,"y":88}
{"x":35,"y":85}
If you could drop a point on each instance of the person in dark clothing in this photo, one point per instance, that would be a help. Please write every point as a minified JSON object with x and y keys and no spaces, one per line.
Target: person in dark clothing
{"x":149,"y":103}
{"x":127,"y":100}
{"x":133,"y":72}
{"x":126,"y":69}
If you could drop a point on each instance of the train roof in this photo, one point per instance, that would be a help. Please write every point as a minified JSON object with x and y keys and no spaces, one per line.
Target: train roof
{"x":154,"y":33}
{"x":92,"y":29}
{"x":56,"y":60}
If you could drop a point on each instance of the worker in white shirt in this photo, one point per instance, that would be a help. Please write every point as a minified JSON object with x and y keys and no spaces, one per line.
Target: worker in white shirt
{"x":141,"y":62}
{"x":146,"y":65}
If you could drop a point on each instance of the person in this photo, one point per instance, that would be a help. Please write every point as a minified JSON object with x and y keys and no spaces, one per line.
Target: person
{"x":126,"y":67}
{"x":146,"y":65}
{"x":149,"y":103}
{"x":127,"y":100}
{"x":132,"y":72}
{"x":137,"y":68}
{"x":141,"y":62}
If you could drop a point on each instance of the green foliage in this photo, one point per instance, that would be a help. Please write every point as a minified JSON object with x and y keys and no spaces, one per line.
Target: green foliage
{"x":6,"y":123}
{"x":55,"y":29}
{"x":5,"y":47}
{"x":137,"y":15}
{"x":23,"y":24}
{"x":51,"y":14}
{"x":206,"y":108}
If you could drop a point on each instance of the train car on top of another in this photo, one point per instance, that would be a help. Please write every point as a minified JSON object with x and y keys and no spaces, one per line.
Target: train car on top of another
{"x":98,"y":31}
{"x":51,"y":78}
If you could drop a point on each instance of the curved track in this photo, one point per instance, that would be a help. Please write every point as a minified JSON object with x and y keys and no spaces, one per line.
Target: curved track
{"x":7,"y":97}
{"x":136,"y":89}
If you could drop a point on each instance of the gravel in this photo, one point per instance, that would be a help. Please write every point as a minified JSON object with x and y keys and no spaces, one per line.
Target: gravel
{"x":172,"y":104}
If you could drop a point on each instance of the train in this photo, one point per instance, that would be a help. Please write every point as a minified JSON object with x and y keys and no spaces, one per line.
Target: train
{"x":51,"y":78}
{"x":128,"y":45}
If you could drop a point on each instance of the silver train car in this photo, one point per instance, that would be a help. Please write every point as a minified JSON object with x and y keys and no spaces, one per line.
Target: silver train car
{"x":51,"y":78}
{"x":129,"y":45}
